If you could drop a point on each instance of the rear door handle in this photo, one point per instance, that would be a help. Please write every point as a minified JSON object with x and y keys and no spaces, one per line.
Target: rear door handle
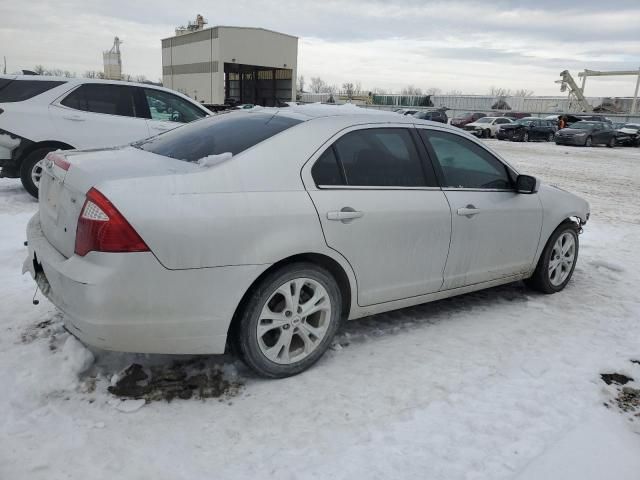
{"x":345,"y":215}
{"x":74,"y":118}
{"x":468,"y":211}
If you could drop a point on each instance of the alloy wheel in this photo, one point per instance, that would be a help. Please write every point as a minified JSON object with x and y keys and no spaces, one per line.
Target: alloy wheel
{"x":562,"y":259}
{"x":36,"y":173}
{"x":294,"y":321}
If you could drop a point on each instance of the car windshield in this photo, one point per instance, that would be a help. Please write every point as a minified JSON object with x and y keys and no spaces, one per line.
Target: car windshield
{"x":485,"y":120}
{"x":463,"y":115}
{"x":582,"y":125}
{"x":227,"y":132}
{"x":524,"y":121}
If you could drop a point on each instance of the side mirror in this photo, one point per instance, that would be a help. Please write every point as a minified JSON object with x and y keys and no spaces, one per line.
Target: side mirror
{"x":527,"y":184}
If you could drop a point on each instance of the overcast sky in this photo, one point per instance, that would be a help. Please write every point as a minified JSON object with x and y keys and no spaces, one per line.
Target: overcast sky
{"x":452,"y":45}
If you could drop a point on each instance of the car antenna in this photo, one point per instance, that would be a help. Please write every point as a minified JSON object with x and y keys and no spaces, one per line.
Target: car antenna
{"x":34,"y":300}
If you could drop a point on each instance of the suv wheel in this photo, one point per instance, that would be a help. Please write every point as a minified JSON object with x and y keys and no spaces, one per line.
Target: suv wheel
{"x":289,"y":321}
{"x":31,"y":169}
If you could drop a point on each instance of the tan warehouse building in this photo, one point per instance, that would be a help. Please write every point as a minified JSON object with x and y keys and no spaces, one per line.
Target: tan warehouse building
{"x":238,"y":64}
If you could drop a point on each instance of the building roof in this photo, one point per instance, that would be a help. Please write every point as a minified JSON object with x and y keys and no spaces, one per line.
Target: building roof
{"x":231,"y":26}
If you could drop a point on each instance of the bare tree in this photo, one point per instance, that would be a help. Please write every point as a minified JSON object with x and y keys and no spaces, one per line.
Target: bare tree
{"x":433,"y":91}
{"x":499,"y":92}
{"x":454,"y":92}
{"x":300,"y":86}
{"x":379,"y":91}
{"x":317,"y":85}
{"x":523,"y":92}
{"x":411,"y":90}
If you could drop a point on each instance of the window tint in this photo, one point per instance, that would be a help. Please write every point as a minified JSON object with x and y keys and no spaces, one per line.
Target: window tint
{"x":19,"y":90}
{"x":102,"y":98}
{"x":326,"y":170}
{"x":382,"y":157}
{"x":226,"y":132}
{"x":170,"y":108}
{"x":465,"y":164}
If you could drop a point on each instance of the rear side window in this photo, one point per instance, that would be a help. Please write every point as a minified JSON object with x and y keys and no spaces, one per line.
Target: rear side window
{"x":19,"y":90}
{"x":378,"y":157}
{"x":102,"y":98}
{"x":227,"y":132}
{"x":327,"y":170}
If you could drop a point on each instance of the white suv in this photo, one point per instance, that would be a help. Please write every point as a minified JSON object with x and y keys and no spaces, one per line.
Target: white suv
{"x":42,"y":114}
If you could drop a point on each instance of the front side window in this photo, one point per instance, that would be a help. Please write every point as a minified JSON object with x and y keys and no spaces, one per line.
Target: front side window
{"x":380,"y":157}
{"x":102,"y":98}
{"x":226,"y":132}
{"x":465,"y":164}
{"x":170,"y":108}
{"x":20,"y":90}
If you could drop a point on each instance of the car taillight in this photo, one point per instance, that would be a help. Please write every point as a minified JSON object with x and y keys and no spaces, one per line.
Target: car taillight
{"x":102,"y":228}
{"x":59,"y":161}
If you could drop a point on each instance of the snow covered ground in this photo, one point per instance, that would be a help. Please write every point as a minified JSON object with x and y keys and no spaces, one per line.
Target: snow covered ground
{"x":500,"y":384}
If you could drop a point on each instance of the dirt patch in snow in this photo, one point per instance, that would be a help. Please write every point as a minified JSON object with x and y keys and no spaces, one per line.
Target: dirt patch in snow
{"x":184,"y":380}
{"x":616,"y":378}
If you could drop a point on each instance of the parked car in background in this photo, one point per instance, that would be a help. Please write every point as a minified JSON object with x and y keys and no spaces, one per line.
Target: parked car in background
{"x":42,"y":114}
{"x":433,"y":115}
{"x":575,"y":117}
{"x":587,"y":133}
{"x":307,"y":217}
{"x":513,"y":115}
{"x":527,"y":129}
{"x":628,"y":134}
{"x":486,"y":127}
{"x":461,"y":120}
{"x":406,"y":111}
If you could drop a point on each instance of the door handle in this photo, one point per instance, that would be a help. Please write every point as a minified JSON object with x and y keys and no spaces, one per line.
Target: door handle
{"x":468,"y":211}
{"x":345,"y":215}
{"x":74,"y":118}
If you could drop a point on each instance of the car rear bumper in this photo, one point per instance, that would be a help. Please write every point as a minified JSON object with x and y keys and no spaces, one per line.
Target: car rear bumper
{"x":129,"y":302}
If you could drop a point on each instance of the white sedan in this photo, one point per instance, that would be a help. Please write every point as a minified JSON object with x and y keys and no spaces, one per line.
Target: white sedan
{"x":265,"y":229}
{"x":486,"y":127}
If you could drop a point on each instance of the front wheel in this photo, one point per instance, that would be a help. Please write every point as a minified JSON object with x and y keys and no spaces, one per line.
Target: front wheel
{"x":550,"y":137}
{"x":558,"y":260}
{"x":289,"y":321}
{"x":487,"y":133}
{"x":588,"y":142}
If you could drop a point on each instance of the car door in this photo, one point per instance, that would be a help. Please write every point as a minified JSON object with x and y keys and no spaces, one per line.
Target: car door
{"x":495,"y":231}
{"x":381,"y":208}
{"x":603,"y":133}
{"x":167,"y":111}
{"x":98,"y":115}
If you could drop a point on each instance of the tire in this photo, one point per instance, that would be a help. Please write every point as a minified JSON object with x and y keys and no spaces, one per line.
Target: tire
{"x":612,"y":142}
{"x":31,"y":169}
{"x":550,"y":137}
{"x":546,"y":281}
{"x":269,"y":353}
{"x":588,"y":142}
{"x":525,"y":137}
{"x":487,"y":134}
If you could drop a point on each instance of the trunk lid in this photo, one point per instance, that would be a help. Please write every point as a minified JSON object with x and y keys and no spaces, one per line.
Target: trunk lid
{"x":62,"y":192}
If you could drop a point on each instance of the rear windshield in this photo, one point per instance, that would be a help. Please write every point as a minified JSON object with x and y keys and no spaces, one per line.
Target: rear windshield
{"x":227,"y":132}
{"x":19,"y":90}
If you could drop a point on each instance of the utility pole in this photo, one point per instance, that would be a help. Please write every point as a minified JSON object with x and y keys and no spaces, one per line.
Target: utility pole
{"x":4,"y":70}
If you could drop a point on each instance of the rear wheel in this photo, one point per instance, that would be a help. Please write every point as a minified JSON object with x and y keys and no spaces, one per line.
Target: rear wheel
{"x":558,"y":260}
{"x":588,"y":142}
{"x":550,"y":137}
{"x":31,"y":169}
{"x":289,"y":321}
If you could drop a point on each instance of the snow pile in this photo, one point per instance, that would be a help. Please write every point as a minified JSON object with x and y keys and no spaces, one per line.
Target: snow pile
{"x":212,"y":160}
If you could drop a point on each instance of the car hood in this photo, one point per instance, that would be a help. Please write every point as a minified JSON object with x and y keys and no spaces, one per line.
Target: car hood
{"x":629,"y":131}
